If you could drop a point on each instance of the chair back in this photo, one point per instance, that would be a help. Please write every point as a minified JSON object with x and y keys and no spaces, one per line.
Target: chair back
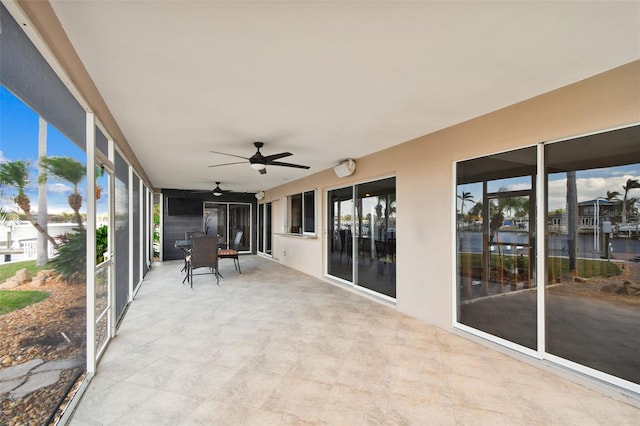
{"x":236,"y":240}
{"x":188,"y":235}
{"x":204,"y":252}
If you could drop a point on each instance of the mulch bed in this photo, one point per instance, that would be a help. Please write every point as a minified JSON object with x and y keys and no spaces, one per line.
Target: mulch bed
{"x":35,"y":332}
{"x":593,"y":287}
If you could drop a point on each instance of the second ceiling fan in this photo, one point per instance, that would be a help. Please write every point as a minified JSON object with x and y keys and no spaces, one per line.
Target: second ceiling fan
{"x":259,"y":161}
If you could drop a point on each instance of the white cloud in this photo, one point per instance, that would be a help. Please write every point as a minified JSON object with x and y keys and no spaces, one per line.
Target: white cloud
{"x":588,"y":188}
{"x":59,"y":188}
{"x":3,"y":159}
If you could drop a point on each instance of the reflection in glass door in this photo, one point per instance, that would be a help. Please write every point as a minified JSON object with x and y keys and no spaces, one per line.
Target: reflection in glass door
{"x":361,"y":245}
{"x":215,"y":221}
{"x":495,"y":224}
{"x":375,"y":236}
{"x":340,"y":244}
{"x":104,"y":258}
{"x":593,"y":232}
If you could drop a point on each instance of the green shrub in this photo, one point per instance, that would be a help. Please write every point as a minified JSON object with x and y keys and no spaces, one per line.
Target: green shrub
{"x":102,"y":243}
{"x":71,"y":261}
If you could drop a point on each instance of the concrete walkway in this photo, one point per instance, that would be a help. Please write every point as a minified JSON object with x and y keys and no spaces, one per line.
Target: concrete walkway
{"x":22,"y":379}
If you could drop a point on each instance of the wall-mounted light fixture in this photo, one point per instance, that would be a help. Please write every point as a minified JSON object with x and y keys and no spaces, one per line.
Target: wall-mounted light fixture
{"x":346,"y":168}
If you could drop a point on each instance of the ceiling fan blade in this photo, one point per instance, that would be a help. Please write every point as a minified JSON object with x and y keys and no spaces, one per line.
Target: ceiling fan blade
{"x":297,"y":166}
{"x":263,"y":171}
{"x":227,"y":164}
{"x":231,"y":155}
{"x":270,"y":158}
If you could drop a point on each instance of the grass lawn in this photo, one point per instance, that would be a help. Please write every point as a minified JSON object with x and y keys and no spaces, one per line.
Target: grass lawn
{"x":557,"y":265}
{"x":7,"y":270}
{"x":13,"y":300}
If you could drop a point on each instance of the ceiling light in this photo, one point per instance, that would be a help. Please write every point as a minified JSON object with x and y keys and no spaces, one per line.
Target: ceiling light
{"x":258,"y":166}
{"x":217,"y":192}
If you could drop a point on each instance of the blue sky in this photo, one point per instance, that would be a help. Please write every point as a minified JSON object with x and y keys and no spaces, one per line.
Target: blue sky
{"x":19,"y":141}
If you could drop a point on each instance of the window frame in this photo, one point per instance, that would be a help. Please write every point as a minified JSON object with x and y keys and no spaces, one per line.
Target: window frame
{"x":299,"y":217}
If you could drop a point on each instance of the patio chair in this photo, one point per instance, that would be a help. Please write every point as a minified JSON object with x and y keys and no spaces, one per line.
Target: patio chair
{"x":204,"y":254}
{"x":232,"y":253}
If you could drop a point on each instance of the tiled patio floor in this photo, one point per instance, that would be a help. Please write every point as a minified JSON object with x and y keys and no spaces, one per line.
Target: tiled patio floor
{"x":276,"y":347}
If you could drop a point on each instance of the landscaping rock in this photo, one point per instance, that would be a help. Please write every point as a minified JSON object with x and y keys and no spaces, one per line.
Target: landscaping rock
{"x":632,"y":289}
{"x":610,"y":288}
{"x":22,"y":276}
{"x":580,"y":279}
{"x":45,"y":275}
{"x":9,"y":284}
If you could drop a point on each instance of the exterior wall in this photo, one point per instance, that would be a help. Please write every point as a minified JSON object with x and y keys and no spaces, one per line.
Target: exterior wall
{"x":174,"y":227}
{"x":425,"y":185}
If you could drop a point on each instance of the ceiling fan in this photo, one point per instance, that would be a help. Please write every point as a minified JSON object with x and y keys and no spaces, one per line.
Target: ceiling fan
{"x":217,"y":191}
{"x":259,"y":161}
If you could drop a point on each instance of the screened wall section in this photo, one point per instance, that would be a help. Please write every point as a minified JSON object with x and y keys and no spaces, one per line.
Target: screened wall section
{"x":55,"y":225}
{"x":583,"y":310}
{"x":43,"y":229}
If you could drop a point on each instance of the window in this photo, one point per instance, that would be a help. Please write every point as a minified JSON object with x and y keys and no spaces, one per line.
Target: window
{"x":301,"y":217}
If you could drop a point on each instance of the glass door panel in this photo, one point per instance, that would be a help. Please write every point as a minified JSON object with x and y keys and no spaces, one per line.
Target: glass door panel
{"x":240,"y":221}
{"x":375,"y":236}
{"x":215,"y":221}
{"x":496,"y":251}
{"x":340,"y":238}
{"x":593,"y":252}
{"x":264,"y":228}
{"x":268,"y":231}
{"x":261,"y":227}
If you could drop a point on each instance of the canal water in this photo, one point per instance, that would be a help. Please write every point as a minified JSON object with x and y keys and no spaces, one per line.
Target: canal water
{"x":513,"y":242}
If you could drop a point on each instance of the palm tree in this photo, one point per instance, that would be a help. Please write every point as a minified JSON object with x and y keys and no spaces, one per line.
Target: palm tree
{"x":71,"y":170}
{"x":476,"y":210}
{"x":464,"y":197}
{"x":572,"y":226}
{"x":16,"y":174}
{"x":631,"y":202}
{"x":631,"y":184}
{"x":612,"y":195}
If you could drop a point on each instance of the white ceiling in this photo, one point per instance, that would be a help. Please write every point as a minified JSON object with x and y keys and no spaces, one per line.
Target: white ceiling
{"x":324,"y":80}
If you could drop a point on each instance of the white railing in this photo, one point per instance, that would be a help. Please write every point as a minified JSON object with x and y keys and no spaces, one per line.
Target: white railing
{"x":31,"y":250}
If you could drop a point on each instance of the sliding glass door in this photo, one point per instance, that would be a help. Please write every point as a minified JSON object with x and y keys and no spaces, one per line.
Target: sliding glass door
{"x":225,"y":220}
{"x":548,"y":252}
{"x":361,"y":245}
